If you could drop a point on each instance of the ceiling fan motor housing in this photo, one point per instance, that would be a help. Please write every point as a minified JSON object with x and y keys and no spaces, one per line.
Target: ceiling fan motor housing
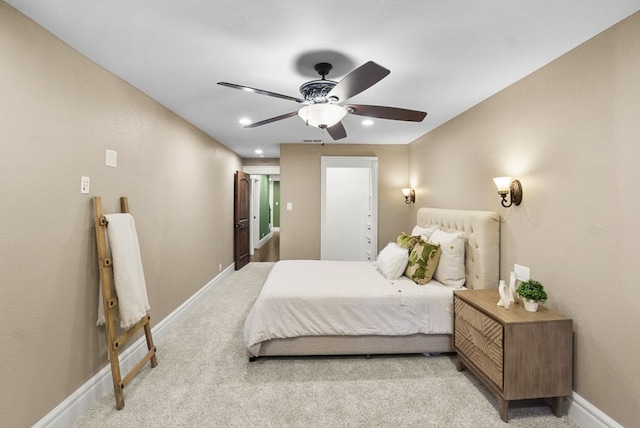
{"x":317,"y":91}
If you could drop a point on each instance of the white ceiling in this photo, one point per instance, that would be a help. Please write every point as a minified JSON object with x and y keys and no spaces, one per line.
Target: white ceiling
{"x":444,"y":55}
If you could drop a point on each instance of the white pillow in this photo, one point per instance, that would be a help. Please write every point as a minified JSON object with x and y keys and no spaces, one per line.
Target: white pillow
{"x":392,"y":261}
{"x":424,"y":232}
{"x":450,"y":270}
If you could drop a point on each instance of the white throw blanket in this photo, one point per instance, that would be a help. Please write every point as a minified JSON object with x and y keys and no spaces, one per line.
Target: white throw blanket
{"x":128,"y":275}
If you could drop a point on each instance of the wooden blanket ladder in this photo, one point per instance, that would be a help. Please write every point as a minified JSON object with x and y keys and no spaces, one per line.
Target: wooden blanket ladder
{"x":110,"y":304}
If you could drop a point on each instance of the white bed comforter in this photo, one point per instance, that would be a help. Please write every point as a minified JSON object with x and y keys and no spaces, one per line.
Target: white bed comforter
{"x":317,"y":298}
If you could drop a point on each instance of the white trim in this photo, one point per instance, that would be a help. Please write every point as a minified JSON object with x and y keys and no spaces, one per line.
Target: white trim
{"x":262,"y":170}
{"x":254,"y":214}
{"x":587,"y":415}
{"x":264,"y":240}
{"x":75,"y":405}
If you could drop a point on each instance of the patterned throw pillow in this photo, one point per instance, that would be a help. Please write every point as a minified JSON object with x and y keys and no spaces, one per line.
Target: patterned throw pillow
{"x":407,"y":242}
{"x":423,"y":261}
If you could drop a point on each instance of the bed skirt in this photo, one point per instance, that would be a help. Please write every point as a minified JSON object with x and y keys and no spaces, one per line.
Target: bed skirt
{"x":357,"y":345}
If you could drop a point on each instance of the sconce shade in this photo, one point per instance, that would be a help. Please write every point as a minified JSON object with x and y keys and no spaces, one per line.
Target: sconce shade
{"x":322,"y":115}
{"x":409,"y":195}
{"x":503,"y":184}
{"x":508,"y":186}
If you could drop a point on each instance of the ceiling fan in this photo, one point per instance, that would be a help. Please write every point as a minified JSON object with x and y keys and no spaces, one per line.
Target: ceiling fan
{"x":322,"y":99}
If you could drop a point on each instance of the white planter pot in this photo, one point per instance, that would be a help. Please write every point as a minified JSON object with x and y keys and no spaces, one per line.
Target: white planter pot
{"x":530,"y":305}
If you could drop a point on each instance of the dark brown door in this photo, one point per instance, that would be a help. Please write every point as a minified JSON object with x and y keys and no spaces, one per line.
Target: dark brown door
{"x":241,"y":219}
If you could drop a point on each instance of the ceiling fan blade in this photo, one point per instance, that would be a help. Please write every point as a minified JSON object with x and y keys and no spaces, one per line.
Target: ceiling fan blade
{"x":383,"y":112}
{"x":273,"y":119}
{"x":260,"y":91}
{"x":337,"y":131}
{"x":357,"y":81}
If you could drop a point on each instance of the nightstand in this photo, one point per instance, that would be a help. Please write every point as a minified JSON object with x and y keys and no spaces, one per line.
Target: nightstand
{"x":516,"y":354}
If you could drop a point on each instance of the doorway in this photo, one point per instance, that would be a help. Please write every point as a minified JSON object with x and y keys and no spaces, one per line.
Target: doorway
{"x":349,"y":208}
{"x":264,"y":210}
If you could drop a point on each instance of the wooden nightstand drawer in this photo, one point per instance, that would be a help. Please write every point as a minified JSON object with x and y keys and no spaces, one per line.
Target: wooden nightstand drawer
{"x":489,"y":367}
{"x":473,"y":318}
{"x":479,"y":338}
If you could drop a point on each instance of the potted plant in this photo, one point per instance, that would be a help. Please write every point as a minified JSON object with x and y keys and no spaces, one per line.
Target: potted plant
{"x":532,"y":293}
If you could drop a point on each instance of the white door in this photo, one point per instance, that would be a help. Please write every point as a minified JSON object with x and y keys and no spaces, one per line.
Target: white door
{"x":349,"y":208}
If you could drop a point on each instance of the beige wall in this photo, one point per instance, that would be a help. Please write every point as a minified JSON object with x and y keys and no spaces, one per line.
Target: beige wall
{"x":58,"y":114}
{"x":261,"y":162}
{"x":300,"y":185}
{"x":571,"y":133}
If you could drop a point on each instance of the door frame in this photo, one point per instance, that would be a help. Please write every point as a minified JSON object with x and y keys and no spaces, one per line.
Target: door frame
{"x":270,"y":170}
{"x":254,"y":210}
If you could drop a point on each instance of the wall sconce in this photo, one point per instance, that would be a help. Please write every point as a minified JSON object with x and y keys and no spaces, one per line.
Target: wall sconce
{"x":508,"y":186}
{"x":409,"y":195}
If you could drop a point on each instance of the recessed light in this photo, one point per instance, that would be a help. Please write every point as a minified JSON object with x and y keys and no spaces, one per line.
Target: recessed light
{"x":258,"y":151}
{"x":245,"y":121}
{"x":367,"y":122}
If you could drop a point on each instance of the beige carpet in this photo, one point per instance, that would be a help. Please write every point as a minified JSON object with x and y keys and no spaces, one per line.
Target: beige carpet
{"x":204,"y":379}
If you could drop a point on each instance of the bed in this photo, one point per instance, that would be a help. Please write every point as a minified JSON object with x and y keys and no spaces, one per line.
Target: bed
{"x":321,"y":307}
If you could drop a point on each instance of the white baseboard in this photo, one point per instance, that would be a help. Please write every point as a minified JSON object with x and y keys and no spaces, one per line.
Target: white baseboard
{"x":75,"y":405}
{"x":586,"y":415}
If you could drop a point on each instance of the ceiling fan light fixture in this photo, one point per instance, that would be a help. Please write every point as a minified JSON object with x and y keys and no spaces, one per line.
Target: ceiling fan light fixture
{"x":322,"y":115}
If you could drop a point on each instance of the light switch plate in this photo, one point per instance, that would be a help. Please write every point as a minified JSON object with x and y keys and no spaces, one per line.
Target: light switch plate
{"x":289,"y":206}
{"x":522,"y":272}
{"x":111,"y":158}
{"x":84,"y":184}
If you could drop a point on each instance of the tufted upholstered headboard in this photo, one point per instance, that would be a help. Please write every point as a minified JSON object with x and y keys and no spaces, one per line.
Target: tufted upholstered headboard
{"x":482,"y":241}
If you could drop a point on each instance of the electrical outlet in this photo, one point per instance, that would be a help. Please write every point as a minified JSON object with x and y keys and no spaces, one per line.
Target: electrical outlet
{"x":522,"y":272}
{"x":84,"y":184}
